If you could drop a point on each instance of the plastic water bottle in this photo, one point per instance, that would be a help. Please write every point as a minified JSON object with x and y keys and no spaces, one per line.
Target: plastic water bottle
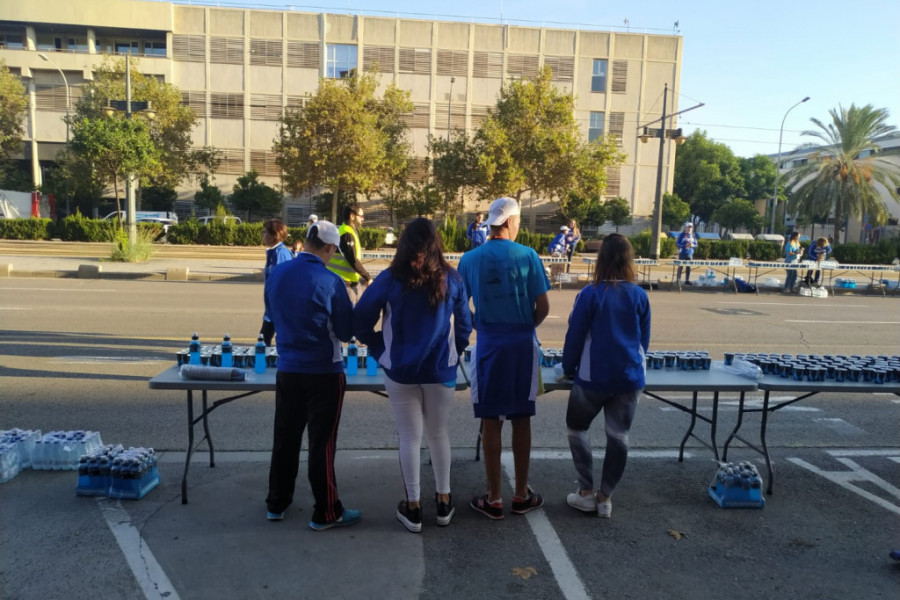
{"x":371,"y":366}
{"x":260,"y":355}
{"x":227,"y":354}
{"x":195,"y":349}
{"x":352,"y":358}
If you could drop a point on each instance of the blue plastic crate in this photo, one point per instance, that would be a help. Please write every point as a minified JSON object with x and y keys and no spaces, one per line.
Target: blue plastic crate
{"x":93,"y":485}
{"x":134,"y":489}
{"x":737,"y":496}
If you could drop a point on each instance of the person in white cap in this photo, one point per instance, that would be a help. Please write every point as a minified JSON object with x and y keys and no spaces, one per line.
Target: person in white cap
{"x":312,"y":314}
{"x":312,"y":220}
{"x":686,"y":243}
{"x":508,"y":287}
{"x":557,"y":245}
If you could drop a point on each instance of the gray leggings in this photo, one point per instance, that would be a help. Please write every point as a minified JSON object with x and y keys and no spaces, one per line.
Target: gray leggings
{"x":584,"y":406}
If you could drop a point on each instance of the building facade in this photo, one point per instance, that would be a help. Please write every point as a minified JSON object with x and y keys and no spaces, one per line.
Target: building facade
{"x":240,"y":69}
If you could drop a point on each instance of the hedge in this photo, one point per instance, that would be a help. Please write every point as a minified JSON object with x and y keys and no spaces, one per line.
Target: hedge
{"x":26,"y":229}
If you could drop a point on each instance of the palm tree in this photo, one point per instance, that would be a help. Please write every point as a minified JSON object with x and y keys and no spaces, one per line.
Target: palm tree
{"x":840,"y":176}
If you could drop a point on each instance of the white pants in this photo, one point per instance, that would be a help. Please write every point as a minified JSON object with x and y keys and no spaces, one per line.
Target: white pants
{"x":417,"y":408}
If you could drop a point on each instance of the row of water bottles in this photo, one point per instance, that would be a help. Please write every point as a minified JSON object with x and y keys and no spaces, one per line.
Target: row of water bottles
{"x":357,"y":357}
{"x":61,"y":450}
{"x":16,"y":450}
{"x":118,"y":473}
{"x":709,"y":279}
{"x":229,"y":356}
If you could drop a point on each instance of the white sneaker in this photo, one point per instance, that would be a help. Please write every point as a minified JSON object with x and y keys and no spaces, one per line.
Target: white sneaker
{"x":586,"y":504}
{"x":604,"y":509}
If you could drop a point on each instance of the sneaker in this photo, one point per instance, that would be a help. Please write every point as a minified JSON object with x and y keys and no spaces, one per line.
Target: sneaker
{"x":492,"y":510}
{"x":604,"y":509}
{"x":586,"y":504}
{"x":350,"y":517}
{"x":275,"y":516}
{"x":520,"y":505}
{"x":445,"y":511}
{"x":410,"y":517}
{"x":688,"y":283}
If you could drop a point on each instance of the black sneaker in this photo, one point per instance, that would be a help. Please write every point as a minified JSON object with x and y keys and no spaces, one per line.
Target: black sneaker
{"x":445,"y":511}
{"x":520,"y":505}
{"x":410,"y":517}
{"x":492,"y":510}
{"x":688,"y":283}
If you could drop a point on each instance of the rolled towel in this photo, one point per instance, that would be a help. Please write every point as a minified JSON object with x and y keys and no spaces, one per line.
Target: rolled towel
{"x":212,"y":373}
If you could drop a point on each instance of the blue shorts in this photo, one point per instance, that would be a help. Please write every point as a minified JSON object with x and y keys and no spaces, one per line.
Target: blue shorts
{"x":505,"y":372}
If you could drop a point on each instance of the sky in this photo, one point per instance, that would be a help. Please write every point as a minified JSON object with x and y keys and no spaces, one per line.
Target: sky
{"x":749,"y":63}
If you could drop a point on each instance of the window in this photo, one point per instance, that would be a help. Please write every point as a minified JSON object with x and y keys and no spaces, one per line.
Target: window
{"x":619,"y":76}
{"x":595,"y":129}
{"x":47,"y":42}
{"x":11,"y":40}
{"x":155,"y":48}
{"x":127,"y":47}
{"x":76,"y":44}
{"x":226,"y":106}
{"x":598,"y":75}
{"x":191,"y":48}
{"x":340,"y":61}
{"x":266,"y":52}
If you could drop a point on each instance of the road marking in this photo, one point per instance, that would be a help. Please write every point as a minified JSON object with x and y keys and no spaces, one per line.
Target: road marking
{"x":844,"y":322}
{"x":57,"y":290}
{"x":891,"y":452}
{"x":11,"y":308}
{"x":89,"y":360}
{"x":856,"y":473}
{"x":840,"y":425}
{"x":567,"y":455}
{"x":567,"y":577}
{"x":150,"y":576}
{"x":788,"y":304}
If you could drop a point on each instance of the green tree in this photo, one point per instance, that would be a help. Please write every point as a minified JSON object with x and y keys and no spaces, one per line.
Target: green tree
{"x":758,"y":173}
{"x":156,"y":197}
{"x":453,"y":167}
{"x":707,"y":174}
{"x":841,"y":175}
{"x":209,"y":196}
{"x":251,"y":195}
{"x":590,"y":211}
{"x":531,"y":143}
{"x":13,"y":103}
{"x":618,"y":210}
{"x":340,"y":139}
{"x":115,"y":147}
{"x":675,"y":211}
{"x":398,"y":158}
{"x":736,"y":214}
{"x":417,"y":200}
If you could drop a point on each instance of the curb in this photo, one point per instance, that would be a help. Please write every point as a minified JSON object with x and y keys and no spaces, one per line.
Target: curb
{"x":156,"y":276}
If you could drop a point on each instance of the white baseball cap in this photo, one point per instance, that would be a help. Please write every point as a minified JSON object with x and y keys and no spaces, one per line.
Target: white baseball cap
{"x":313,"y":218}
{"x":326,"y":232}
{"x":564,"y":228}
{"x":689,"y":224}
{"x":502,"y":209}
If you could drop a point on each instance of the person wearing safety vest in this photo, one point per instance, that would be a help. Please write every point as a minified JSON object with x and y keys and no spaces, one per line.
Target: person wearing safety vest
{"x":348,"y":263}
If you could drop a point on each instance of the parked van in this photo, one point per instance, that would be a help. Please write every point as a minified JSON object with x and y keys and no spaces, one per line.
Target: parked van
{"x":227,"y":219}
{"x":771,"y":237}
{"x":148,"y":216}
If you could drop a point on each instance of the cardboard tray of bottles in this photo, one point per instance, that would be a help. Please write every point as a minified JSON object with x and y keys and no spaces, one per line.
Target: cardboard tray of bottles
{"x":737,"y":485}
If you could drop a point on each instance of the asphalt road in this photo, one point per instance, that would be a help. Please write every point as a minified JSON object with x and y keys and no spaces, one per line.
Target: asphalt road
{"x":77,"y":354}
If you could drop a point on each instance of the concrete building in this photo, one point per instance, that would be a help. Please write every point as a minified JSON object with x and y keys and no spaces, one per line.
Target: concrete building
{"x":239,"y":69}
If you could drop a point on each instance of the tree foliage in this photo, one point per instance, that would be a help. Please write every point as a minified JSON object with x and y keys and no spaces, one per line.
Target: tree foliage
{"x":251,"y":195}
{"x":156,"y":197}
{"x":345,"y":138}
{"x":675,"y":211}
{"x":618,"y":210}
{"x":170,"y":130}
{"x":531,"y":143}
{"x":453,"y":167}
{"x":841,"y":175}
{"x":590,"y":211}
{"x":707,"y":174}
{"x":758,"y":174}
{"x":209,"y":196}
{"x":738,"y":213}
{"x":13,"y":103}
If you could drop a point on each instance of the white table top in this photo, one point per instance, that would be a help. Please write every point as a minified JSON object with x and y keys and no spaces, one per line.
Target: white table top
{"x":717,"y":379}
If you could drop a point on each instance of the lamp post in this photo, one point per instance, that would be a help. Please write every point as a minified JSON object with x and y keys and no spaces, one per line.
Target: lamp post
{"x":449,"y":101}
{"x":129,"y":107}
{"x":778,"y":164}
{"x":662,"y":133}
{"x":68,"y":102}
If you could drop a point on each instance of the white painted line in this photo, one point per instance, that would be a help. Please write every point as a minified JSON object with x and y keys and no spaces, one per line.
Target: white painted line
{"x":567,"y":577}
{"x":840,"y":426}
{"x":896,"y":459}
{"x":754,"y":403}
{"x":787,"y":304}
{"x":844,"y":322}
{"x":864,"y":452}
{"x":567,"y":455}
{"x":844,"y":478}
{"x":10,"y":308}
{"x":150,"y":576}
{"x":57,"y":290}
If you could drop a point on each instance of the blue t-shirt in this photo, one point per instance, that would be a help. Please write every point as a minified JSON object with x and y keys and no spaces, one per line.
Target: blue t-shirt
{"x":503,"y":279}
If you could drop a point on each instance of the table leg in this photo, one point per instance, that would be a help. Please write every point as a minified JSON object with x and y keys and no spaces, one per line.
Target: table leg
{"x":712,"y":425}
{"x":690,"y":428}
{"x":762,"y":441}
{"x":190,"y":448}
{"x":212,"y":454}
{"x":737,"y":427}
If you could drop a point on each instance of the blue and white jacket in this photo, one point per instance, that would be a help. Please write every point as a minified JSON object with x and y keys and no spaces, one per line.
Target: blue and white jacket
{"x":558,"y":244}
{"x":312,"y":314}
{"x":275,"y":255}
{"x":816,"y":252}
{"x":608,"y":337}
{"x":686,"y":243}
{"x":416,"y":344}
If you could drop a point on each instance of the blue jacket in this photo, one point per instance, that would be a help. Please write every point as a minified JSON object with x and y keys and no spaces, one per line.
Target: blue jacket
{"x":814,"y":251}
{"x":608,"y":337}
{"x":686,"y":243}
{"x":477,"y":234}
{"x":275,"y":255}
{"x":416,"y":344}
{"x":558,"y":244}
{"x":312,"y":314}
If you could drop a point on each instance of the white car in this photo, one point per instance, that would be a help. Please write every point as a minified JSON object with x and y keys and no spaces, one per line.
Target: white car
{"x":228,"y":220}
{"x":389,"y":238}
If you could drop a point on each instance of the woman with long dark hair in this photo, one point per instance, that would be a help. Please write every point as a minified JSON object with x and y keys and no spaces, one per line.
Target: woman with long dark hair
{"x":273,"y":235}
{"x":607,"y":340}
{"x":425,"y":326}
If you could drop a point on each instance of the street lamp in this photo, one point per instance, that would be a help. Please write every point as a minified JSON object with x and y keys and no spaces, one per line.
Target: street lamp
{"x":778,"y":163}
{"x":68,"y":98}
{"x":129,"y":107}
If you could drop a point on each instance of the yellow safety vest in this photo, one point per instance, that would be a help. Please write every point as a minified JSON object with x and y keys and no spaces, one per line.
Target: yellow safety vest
{"x":339,"y":265}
